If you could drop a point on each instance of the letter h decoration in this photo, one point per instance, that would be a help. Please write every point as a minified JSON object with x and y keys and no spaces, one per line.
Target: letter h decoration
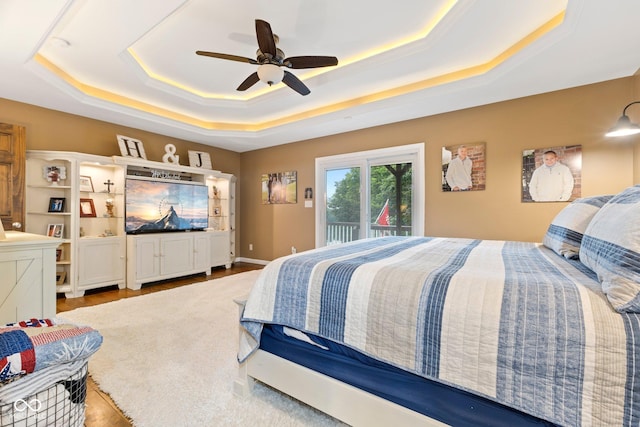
{"x":130,"y":147}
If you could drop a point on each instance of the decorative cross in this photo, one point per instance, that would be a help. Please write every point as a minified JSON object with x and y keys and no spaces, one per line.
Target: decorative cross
{"x":109,"y":184}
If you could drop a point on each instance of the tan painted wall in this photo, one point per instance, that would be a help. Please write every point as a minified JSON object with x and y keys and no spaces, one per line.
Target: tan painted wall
{"x":53,"y":130}
{"x":574,"y":116}
{"x":568,"y":117}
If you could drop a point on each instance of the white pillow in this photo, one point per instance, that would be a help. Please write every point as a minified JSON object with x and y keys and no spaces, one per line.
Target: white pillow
{"x":611,"y":248}
{"x":564,"y":234}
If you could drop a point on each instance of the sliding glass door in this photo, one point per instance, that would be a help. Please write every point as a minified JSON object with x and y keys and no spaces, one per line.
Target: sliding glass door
{"x":343,"y":205}
{"x":370,"y":194}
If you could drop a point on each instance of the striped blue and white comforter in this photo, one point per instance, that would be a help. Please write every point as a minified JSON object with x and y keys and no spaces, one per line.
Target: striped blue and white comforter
{"x":511,"y":321}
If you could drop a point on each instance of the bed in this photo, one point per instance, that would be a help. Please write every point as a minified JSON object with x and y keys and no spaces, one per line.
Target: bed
{"x":452,"y":331}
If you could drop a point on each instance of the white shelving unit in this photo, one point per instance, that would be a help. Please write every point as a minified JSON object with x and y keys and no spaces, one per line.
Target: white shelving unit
{"x":222,"y":218}
{"x":92,"y":243}
{"x":94,"y":248}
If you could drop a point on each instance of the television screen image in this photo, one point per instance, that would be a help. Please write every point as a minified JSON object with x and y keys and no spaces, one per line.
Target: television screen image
{"x":162,"y":206}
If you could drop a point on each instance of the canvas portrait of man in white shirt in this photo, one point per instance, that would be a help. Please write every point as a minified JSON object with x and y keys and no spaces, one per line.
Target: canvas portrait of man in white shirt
{"x":552,"y":181}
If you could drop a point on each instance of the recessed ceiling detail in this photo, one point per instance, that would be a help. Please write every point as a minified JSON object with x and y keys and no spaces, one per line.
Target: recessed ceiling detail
{"x":134,"y":63}
{"x":168,"y":29}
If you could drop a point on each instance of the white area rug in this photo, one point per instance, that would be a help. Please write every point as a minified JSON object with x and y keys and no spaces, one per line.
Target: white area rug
{"x":169,"y":359}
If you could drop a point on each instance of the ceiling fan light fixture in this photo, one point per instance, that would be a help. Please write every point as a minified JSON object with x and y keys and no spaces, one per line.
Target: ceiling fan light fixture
{"x":270,"y":74}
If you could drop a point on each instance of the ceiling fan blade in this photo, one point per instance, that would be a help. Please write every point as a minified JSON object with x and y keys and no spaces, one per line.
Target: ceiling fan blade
{"x":310,"y":61}
{"x":294,"y":83}
{"x":249,"y":81}
{"x":226,"y":56}
{"x":266,"y":42}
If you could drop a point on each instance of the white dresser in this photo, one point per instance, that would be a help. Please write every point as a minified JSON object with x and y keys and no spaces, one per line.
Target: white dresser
{"x":27,"y":277}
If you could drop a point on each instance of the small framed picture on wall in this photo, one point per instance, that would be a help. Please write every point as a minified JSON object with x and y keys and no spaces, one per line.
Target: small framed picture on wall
{"x":280,"y":188}
{"x":464,"y":167}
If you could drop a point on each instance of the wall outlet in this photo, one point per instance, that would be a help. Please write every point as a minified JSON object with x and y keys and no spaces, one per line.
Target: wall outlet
{"x":293,"y":249}
{"x":250,"y":246}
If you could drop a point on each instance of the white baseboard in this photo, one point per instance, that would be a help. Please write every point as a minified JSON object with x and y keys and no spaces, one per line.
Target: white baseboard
{"x":252,"y":261}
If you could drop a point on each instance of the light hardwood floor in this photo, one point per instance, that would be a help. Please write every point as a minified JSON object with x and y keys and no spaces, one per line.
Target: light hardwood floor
{"x":101,"y":410}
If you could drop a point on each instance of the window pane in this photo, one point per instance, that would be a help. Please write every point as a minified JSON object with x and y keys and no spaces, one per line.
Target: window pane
{"x":390,"y":200}
{"x":343,"y":205}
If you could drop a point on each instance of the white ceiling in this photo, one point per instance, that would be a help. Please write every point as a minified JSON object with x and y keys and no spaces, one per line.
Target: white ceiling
{"x":133,"y":62}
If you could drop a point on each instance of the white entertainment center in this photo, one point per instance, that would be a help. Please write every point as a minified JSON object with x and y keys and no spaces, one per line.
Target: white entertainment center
{"x":80,"y":199}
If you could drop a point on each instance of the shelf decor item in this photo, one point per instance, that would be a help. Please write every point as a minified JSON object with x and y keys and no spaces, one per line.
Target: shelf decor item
{"x":200,"y":159}
{"x":60,"y":276}
{"x":86,"y":184}
{"x":54,"y":174}
{"x":56,"y":204}
{"x":109,"y":205}
{"x":55,"y":230}
{"x":87,"y":208}
{"x":130,"y":147}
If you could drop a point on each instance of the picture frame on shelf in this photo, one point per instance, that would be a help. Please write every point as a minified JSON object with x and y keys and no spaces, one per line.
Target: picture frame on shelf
{"x":60,"y":276}
{"x":54,"y":174}
{"x":86,"y":184}
{"x":55,"y":230}
{"x":56,"y":204}
{"x":87,"y":208}
{"x":58,"y":254}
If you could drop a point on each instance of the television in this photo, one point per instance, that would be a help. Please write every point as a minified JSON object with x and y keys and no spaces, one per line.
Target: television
{"x":157,"y":206}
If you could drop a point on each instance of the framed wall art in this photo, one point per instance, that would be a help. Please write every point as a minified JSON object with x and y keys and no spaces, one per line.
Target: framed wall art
{"x":552,"y":174}
{"x":464,"y":167}
{"x":279,"y":188}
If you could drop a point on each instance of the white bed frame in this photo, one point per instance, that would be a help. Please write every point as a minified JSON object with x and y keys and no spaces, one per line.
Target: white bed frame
{"x":342,"y":401}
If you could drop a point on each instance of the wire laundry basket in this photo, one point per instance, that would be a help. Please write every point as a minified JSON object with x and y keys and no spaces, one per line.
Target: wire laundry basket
{"x":60,"y":405}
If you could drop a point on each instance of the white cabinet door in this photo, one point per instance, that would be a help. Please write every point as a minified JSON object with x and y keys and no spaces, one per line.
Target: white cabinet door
{"x":27,"y":288}
{"x":176,"y":253}
{"x":101,"y":261}
{"x":220,"y":249}
{"x":165,"y":255}
{"x":21,"y":290}
{"x":147,"y":258}
{"x":201,"y":251}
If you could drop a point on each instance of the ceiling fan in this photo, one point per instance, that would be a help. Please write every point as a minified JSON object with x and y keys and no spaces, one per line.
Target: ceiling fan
{"x":270,"y":59}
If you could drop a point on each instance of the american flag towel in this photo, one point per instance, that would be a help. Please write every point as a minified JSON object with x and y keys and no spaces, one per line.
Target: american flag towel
{"x":36,"y":344}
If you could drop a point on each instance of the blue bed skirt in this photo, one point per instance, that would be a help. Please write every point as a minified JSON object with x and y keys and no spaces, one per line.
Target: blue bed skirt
{"x":433,"y":399}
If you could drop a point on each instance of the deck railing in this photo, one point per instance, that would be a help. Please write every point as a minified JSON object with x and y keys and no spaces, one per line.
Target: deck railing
{"x":342,"y":232}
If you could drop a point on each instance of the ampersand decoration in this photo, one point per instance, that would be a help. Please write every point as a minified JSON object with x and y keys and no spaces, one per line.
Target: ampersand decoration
{"x":170,"y":154}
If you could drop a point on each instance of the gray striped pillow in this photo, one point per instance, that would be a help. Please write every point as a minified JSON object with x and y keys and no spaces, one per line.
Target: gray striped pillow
{"x":564,"y":234}
{"x":611,"y":248}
